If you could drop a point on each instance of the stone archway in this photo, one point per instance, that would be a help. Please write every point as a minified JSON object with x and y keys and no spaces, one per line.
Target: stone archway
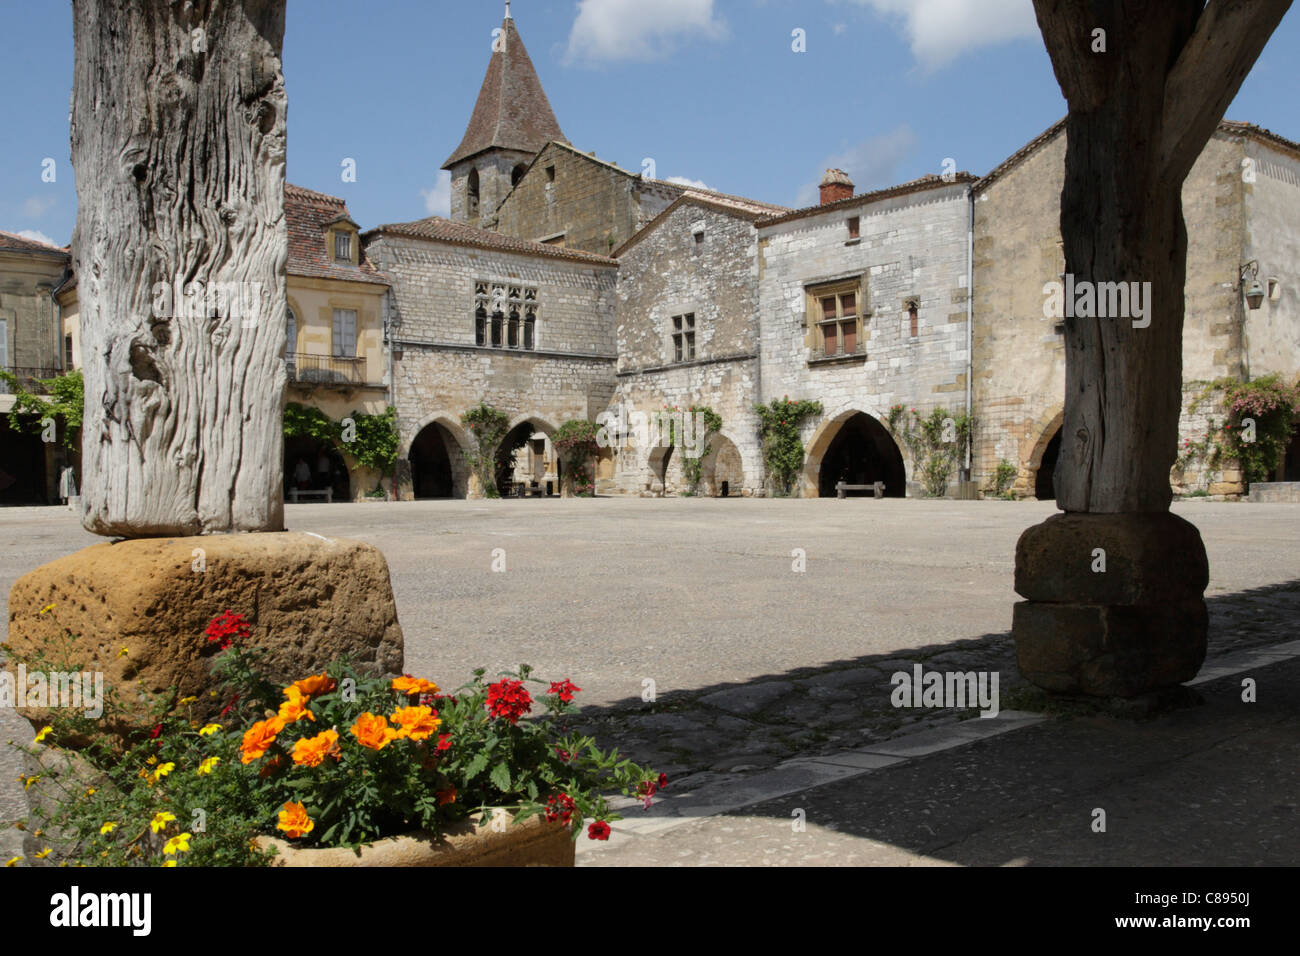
{"x":437,"y":459}
{"x":526,"y":459}
{"x":856,"y":448}
{"x":659,"y":461}
{"x":1039,"y":471}
{"x":722,"y":471}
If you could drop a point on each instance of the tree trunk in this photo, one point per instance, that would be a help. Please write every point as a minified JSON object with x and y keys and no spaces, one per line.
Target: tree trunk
{"x":178,"y":141}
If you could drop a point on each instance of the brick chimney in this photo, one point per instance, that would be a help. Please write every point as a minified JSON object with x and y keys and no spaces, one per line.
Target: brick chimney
{"x":836,"y":185}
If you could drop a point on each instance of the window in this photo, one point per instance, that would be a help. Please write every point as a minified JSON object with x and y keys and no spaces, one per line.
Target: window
{"x":550,"y":174}
{"x":67,"y":351}
{"x":914,"y":322}
{"x":854,"y":226}
{"x":684,"y":337}
{"x":836,"y":317}
{"x":4,"y":343}
{"x":517,"y":174}
{"x":342,"y":247}
{"x":345,"y":333}
{"x":473,"y":192}
{"x":505,"y":315}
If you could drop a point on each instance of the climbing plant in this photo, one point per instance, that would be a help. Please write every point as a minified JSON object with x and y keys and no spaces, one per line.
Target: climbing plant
{"x":936,"y":442}
{"x":488,"y":425}
{"x":779,"y":424}
{"x":1260,"y":418}
{"x":710,"y":423}
{"x":308,"y":421}
{"x":372,"y":440}
{"x":63,"y":404}
{"x":575,"y":444}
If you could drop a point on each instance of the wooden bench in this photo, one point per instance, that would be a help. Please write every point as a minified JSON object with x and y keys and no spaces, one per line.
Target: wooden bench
{"x":878,"y":489}
{"x":295,"y":494}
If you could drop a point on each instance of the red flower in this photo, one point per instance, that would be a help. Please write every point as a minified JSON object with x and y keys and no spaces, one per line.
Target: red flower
{"x":564,"y":755}
{"x":565,"y":688}
{"x":560,"y":807}
{"x":663,"y":781}
{"x":598,"y":830}
{"x":226,"y":626}
{"x":230,"y":706}
{"x":444,"y":742}
{"x":156,"y":732}
{"x":508,"y":699}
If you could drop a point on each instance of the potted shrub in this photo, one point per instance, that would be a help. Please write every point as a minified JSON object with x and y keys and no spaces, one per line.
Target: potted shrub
{"x":339,"y":768}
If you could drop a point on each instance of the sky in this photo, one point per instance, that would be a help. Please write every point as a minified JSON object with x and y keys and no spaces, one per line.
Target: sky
{"x":751,"y":97}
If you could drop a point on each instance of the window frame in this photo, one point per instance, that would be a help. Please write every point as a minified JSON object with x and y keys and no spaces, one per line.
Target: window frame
{"x":682,"y":337}
{"x":335,"y":343}
{"x":816,"y":320}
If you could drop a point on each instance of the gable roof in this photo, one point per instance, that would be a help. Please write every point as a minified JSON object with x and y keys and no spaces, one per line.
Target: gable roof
{"x":512,"y":111}
{"x":12,"y":242}
{"x":307,"y":213}
{"x":438,"y":229}
{"x":736,"y":210}
{"x":902,"y":189}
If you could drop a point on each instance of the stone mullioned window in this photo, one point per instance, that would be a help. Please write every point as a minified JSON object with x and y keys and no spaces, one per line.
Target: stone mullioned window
{"x":505,"y":315}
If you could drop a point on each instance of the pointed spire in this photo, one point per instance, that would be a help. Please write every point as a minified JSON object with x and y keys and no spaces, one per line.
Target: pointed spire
{"x":512,"y":111}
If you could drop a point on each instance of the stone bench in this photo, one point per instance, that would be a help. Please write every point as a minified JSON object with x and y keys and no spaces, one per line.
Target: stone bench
{"x":877,"y":489}
{"x":297,"y":494}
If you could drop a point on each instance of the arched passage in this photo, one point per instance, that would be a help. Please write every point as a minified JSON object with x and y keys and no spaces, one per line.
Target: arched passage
{"x":722,"y":472}
{"x":23,"y":476}
{"x":1044,"y":477}
{"x":526,"y":460}
{"x":433,"y":468}
{"x":858,"y":451}
{"x":1290,"y":469}
{"x":324,"y":467}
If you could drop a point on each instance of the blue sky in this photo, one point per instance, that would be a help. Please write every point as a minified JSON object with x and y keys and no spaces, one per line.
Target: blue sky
{"x":711,"y":90}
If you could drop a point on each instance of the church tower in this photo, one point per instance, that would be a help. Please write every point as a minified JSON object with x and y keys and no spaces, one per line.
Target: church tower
{"x":512,"y":121}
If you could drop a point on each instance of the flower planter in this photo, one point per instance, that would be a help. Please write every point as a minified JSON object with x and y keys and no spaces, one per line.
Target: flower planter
{"x":469,"y":843}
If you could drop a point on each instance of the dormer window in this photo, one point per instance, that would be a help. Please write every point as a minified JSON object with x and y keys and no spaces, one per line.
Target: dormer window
{"x":342,"y":247}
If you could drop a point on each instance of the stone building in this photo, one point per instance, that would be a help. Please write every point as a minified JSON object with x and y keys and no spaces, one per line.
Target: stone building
{"x":1241,"y":204}
{"x":31,"y":348}
{"x":688,"y":335}
{"x":481,"y":317}
{"x":863,"y":306}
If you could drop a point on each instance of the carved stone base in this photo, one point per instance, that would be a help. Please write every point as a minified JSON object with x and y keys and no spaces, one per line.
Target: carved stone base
{"x":1115,"y":605}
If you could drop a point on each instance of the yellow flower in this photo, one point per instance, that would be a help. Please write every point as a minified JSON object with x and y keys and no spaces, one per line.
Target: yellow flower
{"x":160,"y":821}
{"x":186,"y":700}
{"x":177,"y":844}
{"x":169,"y":863}
{"x":13,"y":861}
{"x":43,"y":853}
{"x":151,"y":761}
{"x":209,"y":730}
{"x":123,"y":652}
{"x":45,"y":732}
{"x":90,"y":792}
{"x":207,"y":765}
{"x":163,"y":771}
{"x":38,"y":832}
{"x":47,"y":609}
{"x":28,"y":781}
{"x":107,"y":828}
{"x":295,"y":707}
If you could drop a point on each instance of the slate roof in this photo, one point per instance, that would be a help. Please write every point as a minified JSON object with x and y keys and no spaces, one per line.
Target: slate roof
{"x":512,"y":111}
{"x":438,"y":229}
{"x":306,"y":214}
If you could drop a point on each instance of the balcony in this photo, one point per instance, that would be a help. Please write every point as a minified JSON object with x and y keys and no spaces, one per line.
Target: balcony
{"x":304,"y":369}
{"x":29,"y":378}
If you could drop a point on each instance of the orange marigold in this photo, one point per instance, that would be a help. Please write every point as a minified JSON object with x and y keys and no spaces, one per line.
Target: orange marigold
{"x":295,"y":708}
{"x":294,"y":821}
{"x":446,"y":796}
{"x":417,"y":723}
{"x":414,"y":685}
{"x":313,"y":686}
{"x":372,"y":730}
{"x":272,"y":766}
{"x":259,"y":738}
{"x":310,"y":751}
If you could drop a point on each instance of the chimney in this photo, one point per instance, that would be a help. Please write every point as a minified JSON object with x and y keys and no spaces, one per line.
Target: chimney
{"x":836,"y":185}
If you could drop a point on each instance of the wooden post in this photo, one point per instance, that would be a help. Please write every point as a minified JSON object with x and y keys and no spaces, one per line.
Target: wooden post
{"x":178,"y":140}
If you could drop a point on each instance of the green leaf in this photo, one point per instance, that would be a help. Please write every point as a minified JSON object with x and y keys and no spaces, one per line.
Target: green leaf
{"x":501,"y":777}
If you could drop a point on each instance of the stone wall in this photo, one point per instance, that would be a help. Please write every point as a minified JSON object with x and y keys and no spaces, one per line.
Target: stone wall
{"x":912,"y":248}
{"x":495,"y":175}
{"x":439,"y":371}
{"x":1272,"y":201}
{"x":667,"y":272}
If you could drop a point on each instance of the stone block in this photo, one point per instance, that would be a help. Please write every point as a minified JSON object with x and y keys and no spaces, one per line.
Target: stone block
{"x":136,"y":612}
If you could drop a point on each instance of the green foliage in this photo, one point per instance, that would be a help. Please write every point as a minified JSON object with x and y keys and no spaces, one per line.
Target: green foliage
{"x":64,"y":404}
{"x":779,"y":424}
{"x":936,"y":442}
{"x":376,"y":440}
{"x":693,"y":467}
{"x":575,"y":443}
{"x":308,"y":421}
{"x":488,"y":425}
{"x":1003,"y":477}
{"x":1274,"y":410}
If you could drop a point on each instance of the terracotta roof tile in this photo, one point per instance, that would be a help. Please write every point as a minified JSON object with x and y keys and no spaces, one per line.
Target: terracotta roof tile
{"x":306,"y":214}
{"x":11,"y":241}
{"x":903,"y":189}
{"x":438,"y":229}
{"x":512,"y":111}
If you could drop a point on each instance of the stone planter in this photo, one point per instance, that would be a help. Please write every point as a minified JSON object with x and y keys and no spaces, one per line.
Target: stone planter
{"x":469,"y":843}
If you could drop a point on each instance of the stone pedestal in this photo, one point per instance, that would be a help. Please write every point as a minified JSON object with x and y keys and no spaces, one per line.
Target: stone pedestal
{"x":1137,"y":626}
{"x":136,"y":611}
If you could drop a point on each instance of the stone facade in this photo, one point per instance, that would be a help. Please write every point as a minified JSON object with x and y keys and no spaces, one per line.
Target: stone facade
{"x":1019,"y":355}
{"x":440,"y":370}
{"x":696,"y":260}
{"x":910,"y":252}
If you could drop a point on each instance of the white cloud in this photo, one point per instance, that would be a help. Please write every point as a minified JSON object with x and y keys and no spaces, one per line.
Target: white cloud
{"x":622,"y":30}
{"x":437,"y":201}
{"x":940,"y":31}
{"x":871,"y":164}
{"x":695,"y":183}
{"x":35,"y":206}
{"x":37,"y":235}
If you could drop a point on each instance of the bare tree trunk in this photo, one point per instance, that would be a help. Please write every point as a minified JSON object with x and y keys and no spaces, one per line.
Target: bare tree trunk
{"x":178,"y":141}
{"x":1115,"y":586}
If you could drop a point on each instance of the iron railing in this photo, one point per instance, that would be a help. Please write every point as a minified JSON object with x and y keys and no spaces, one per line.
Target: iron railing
{"x":29,"y":378}
{"x":325,"y":369}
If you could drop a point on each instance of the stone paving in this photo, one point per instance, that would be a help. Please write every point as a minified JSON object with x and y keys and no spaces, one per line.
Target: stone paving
{"x":752,"y":661}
